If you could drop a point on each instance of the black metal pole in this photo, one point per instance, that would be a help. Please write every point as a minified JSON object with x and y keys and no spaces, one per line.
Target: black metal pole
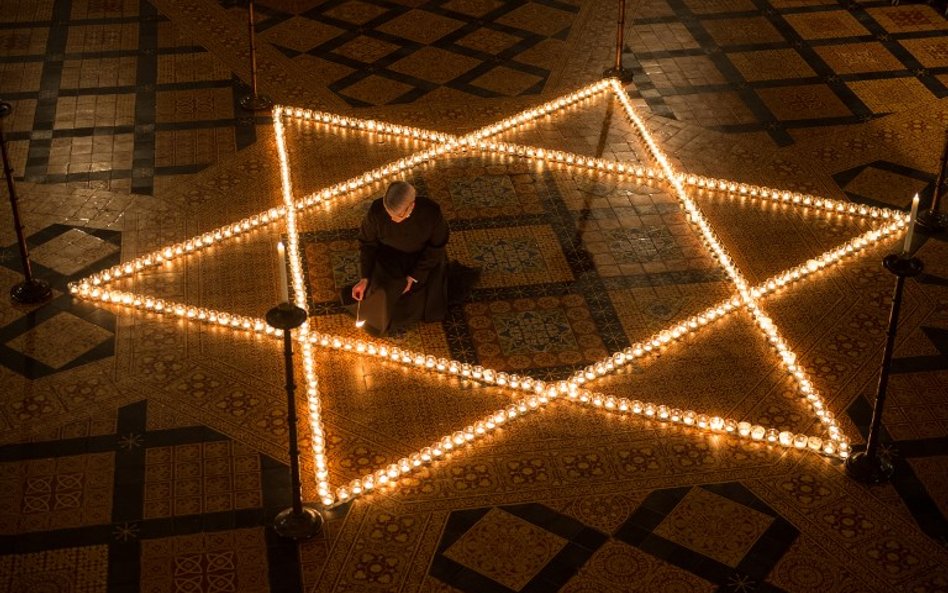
{"x":31,"y":290}
{"x":930,"y":220}
{"x":253,"y":101}
{"x":298,"y":521}
{"x":617,"y":71}
{"x":868,"y":466}
{"x":291,"y":421}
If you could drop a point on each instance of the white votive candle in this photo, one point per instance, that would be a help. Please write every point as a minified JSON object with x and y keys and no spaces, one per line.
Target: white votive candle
{"x":911,"y":226}
{"x":284,"y":287}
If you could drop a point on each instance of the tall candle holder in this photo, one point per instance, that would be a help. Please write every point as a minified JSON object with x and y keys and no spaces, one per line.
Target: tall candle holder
{"x":617,"y":70}
{"x":868,"y":466}
{"x":254,"y":101}
{"x":298,"y":521}
{"x":930,"y":220}
{"x":32,"y":290}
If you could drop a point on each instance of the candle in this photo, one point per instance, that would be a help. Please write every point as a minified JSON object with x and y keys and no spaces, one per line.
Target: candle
{"x":359,"y":321}
{"x":284,"y":287}
{"x":911,"y":226}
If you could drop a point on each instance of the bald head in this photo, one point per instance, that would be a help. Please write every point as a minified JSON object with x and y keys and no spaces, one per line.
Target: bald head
{"x":399,"y":195}
{"x":399,"y":199}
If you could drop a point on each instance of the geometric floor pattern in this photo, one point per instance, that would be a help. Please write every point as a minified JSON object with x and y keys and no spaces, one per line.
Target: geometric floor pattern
{"x":140,"y":451}
{"x":548,"y":326}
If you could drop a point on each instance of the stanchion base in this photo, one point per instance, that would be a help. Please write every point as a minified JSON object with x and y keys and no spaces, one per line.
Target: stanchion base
{"x":32,"y":292}
{"x":863,"y":468}
{"x":930,"y":223}
{"x":902,"y":265}
{"x":256,"y":103}
{"x":623,"y":74}
{"x":303,"y":525}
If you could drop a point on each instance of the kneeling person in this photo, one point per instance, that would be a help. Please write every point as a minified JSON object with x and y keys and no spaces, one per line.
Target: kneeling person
{"x":402,"y":261}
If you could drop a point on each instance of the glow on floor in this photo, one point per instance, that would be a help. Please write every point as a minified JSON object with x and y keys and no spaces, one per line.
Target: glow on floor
{"x":533,"y":393}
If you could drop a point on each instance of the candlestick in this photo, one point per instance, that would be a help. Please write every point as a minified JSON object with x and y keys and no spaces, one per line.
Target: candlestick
{"x":284,"y":287}
{"x":911,"y":226}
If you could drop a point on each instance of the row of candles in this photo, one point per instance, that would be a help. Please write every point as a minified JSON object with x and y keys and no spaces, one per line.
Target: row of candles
{"x":93,"y":287}
{"x":748,"y":297}
{"x":391,"y":170}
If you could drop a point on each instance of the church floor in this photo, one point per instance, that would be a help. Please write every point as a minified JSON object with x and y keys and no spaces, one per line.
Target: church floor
{"x":143,"y":452}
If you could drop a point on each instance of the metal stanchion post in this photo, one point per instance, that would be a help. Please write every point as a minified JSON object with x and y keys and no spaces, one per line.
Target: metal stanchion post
{"x":31,"y":290}
{"x":930,"y":220}
{"x":253,"y":101}
{"x":617,"y":71}
{"x":298,"y":521}
{"x":869,"y":466}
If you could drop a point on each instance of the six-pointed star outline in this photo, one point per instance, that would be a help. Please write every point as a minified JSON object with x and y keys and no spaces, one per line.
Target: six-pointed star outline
{"x":535,"y":393}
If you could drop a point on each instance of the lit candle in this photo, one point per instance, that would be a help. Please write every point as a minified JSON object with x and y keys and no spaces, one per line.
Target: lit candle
{"x":359,"y":321}
{"x":284,"y":287}
{"x":911,"y":226}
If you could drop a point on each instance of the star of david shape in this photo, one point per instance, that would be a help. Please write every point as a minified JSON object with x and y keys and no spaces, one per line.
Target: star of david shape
{"x":534,"y":393}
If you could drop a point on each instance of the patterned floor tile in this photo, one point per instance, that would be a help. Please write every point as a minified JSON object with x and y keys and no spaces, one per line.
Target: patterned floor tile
{"x":49,"y":494}
{"x":531,"y":333}
{"x":823,"y":25}
{"x":742,"y":31}
{"x":72,"y":251}
{"x":195,"y":479}
{"x":689,"y":525}
{"x":512,"y":256}
{"x":81,"y":569}
{"x":804,"y":102}
{"x":60,"y":340}
{"x":224,"y":561}
{"x":805,"y":568}
{"x":479,"y":548}
{"x":856,"y":58}
{"x":929,"y":472}
{"x":139,"y":96}
{"x":931,"y":53}
{"x":907,"y":18}
{"x":620,"y":567}
{"x":420,"y":26}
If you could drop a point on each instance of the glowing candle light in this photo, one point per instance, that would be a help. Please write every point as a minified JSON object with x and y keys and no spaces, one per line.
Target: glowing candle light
{"x":911,"y":227}
{"x":281,"y":264}
{"x":359,"y":321}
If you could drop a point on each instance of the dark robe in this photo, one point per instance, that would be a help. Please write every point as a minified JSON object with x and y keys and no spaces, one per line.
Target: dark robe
{"x":389,"y":253}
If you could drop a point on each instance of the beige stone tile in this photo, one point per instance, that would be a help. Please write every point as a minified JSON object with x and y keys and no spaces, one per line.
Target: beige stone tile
{"x":506,"y":81}
{"x":907,"y":18}
{"x":690,"y":524}
{"x":770,"y":64}
{"x":803,"y":102}
{"x":855,"y":58}
{"x":825,"y":25}
{"x":480,"y":548}
{"x":742,"y":31}
{"x":421,"y":26}
{"x":72,"y":251}
{"x":60,"y":340}
{"x":434,"y":64}
{"x":932,"y":52}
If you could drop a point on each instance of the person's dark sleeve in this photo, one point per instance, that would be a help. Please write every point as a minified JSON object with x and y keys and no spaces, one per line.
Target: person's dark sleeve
{"x":368,"y":244}
{"x":433,"y":253}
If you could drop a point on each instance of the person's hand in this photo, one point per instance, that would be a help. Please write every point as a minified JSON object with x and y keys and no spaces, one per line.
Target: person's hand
{"x":358,"y":291}
{"x":408,"y":282}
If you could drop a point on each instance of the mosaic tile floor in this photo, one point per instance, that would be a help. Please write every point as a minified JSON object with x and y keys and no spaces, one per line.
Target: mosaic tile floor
{"x":143,"y":453}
